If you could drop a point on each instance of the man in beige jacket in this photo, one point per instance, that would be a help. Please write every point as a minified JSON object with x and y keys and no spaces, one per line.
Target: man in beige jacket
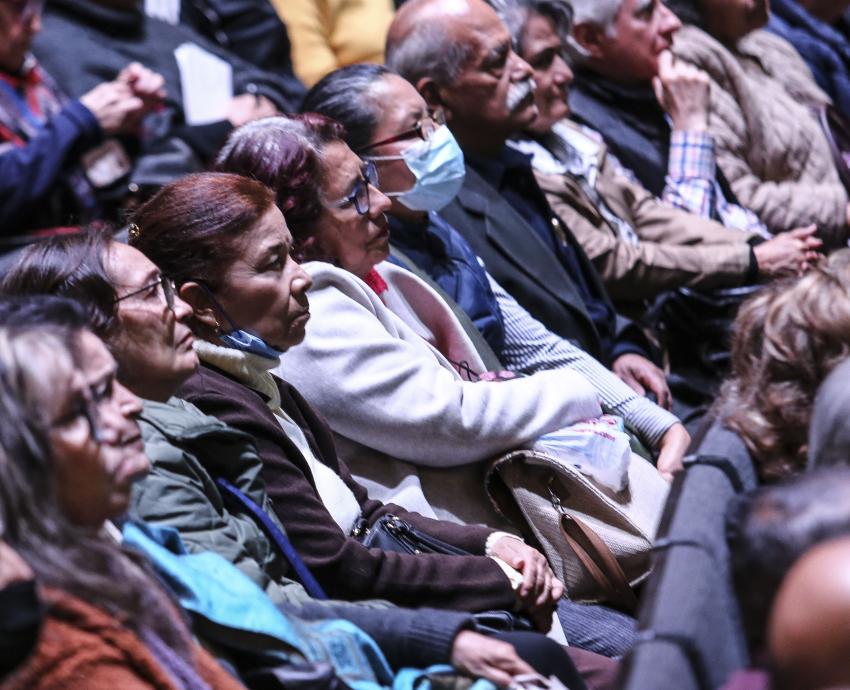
{"x":639,"y":244}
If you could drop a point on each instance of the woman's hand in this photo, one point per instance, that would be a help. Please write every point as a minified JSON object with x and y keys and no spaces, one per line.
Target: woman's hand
{"x":638,"y":373}
{"x":483,"y":657}
{"x":540,"y":590}
{"x":674,"y":444}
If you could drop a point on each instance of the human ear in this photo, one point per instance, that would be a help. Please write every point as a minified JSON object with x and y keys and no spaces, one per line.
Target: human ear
{"x":431,"y":93}
{"x":202,"y":307}
{"x":590,"y":37}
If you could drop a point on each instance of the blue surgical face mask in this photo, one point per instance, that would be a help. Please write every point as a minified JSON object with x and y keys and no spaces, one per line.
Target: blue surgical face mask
{"x":240,"y":339}
{"x":437,"y":165}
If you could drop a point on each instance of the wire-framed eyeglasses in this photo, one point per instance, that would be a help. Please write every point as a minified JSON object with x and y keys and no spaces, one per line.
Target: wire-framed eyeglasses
{"x":422,"y":129}
{"x":163,"y":287}
{"x":360,"y":192}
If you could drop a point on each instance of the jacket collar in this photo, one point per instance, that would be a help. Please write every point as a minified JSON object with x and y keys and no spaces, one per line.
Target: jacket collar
{"x":530,"y":256}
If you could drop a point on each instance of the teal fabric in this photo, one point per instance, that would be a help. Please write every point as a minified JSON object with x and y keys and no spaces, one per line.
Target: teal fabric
{"x":208,"y":586}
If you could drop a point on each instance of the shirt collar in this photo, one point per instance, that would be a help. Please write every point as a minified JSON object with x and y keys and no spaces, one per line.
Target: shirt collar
{"x":493,"y":169}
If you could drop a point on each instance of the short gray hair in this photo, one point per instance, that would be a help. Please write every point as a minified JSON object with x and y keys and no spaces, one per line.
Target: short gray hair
{"x":427,"y":50}
{"x":602,"y":13}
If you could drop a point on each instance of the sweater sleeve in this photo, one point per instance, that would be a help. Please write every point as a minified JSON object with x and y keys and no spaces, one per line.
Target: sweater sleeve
{"x":530,"y":346}
{"x":28,"y":173}
{"x":385,"y":392}
{"x":309,"y":25}
{"x":344,"y":567}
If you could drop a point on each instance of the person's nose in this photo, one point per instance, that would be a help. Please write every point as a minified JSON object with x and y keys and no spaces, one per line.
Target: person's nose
{"x":128,"y":402}
{"x":301,"y":280}
{"x":182,"y":310}
{"x":563,"y":74}
{"x":670,"y":22}
{"x":520,"y":69}
{"x":379,"y":203}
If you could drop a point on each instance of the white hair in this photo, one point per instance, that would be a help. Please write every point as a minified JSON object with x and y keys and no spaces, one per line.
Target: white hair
{"x":602,"y":13}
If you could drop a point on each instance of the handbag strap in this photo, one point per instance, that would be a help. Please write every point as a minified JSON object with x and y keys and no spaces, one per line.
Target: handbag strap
{"x":314,"y":589}
{"x":607,"y":573}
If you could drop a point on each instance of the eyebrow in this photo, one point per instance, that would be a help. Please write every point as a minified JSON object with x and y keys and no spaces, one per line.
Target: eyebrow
{"x":642,"y":5}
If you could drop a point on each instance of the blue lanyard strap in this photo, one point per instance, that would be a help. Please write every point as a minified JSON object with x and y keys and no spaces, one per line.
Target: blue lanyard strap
{"x":314,"y":589}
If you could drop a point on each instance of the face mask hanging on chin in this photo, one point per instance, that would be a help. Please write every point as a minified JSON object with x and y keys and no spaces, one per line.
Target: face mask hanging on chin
{"x":437,"y":164}
{"x":239,"y":339}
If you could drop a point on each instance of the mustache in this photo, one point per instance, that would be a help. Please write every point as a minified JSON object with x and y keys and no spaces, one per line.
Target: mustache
{"x":517,"y":92}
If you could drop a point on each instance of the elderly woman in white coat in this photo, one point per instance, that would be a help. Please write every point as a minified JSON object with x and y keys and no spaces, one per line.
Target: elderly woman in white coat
{"x":385,"y":360}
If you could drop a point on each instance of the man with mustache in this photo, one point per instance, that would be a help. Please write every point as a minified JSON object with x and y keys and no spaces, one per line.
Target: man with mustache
{"x":459,"y":56}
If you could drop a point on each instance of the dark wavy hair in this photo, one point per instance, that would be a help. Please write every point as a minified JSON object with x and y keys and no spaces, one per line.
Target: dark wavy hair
{"x":36,"y":364}
{"x":69,"y":266}
{"x":285,"y":153}
{"x":786,"y":341}
{"x":193,"y":228}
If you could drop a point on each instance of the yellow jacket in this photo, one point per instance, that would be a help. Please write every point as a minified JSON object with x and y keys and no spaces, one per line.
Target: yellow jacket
{"x":328,"y":34}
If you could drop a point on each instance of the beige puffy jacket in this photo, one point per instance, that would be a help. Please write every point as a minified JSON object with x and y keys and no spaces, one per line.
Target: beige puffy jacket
{"x":770,"y":144}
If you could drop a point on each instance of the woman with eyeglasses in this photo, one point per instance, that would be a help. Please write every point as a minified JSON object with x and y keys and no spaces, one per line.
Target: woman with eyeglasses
{"x":388,"y":381}
{"x":70,"y":452}
{"x":225,"y":243}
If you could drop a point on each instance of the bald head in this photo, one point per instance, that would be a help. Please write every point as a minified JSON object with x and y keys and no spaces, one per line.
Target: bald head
{"x":809,"y":629}
{"x":459,"y":56}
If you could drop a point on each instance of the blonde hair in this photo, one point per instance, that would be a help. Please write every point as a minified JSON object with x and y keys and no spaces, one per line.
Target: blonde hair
{"x":786,"y":341}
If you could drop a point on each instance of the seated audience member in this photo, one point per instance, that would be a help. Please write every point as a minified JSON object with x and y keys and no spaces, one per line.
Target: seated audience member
{"x":212,"y":92}
{"x":327,"y":34}
{"x":56,"y":162}
{"x":250,"y":29}
{"x":458,"y":55}
{"x":807,"y":25}
{"x":408,"y":638}
{"x":652,"y":111}
{"x":829,"y":433}
{"x":20,"y":625}
{"x":771,"y":145}
{"x":385,"y":119}
{"x":227,"y":246}
{"x":786,"y":340}
{"x":295,"y":157}
{"x":70,"y":453}
{"x":639,"y":245}
{"x":808,"y":634}
{"x":770,"y":528}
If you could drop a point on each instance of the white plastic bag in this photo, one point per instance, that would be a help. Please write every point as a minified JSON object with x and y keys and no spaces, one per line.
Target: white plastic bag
{"x":598,"y":447}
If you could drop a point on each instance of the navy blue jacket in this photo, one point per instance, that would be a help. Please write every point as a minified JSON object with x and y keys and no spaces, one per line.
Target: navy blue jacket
{"x":825,"y":50}
{"x":31,"y":175}
{"x":438,"y":249}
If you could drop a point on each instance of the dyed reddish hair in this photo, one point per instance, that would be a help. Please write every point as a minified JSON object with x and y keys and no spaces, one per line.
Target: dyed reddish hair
{"x":285,"y":153}
{"x":192,"y":228}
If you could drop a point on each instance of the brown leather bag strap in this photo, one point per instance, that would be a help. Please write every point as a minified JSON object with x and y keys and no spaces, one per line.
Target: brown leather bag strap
{"x":604,"y":569}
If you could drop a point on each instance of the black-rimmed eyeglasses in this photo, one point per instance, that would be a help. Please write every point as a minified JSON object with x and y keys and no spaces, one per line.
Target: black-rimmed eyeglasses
{"x":422,"y":129}
{"x":164,"y":287}
{"x":360,"y":192}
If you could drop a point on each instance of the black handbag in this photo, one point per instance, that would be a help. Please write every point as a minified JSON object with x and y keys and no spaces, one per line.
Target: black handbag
{"x":391,"y":533}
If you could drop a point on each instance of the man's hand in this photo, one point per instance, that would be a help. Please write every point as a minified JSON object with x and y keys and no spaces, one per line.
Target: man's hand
{"x":638,"y":373}
{"x":13,"y":568}
{"x":540,"y":590}
{"x":145,"y":83}
{"x":483,"y":657}
{"x":114,"y":105}
{"x":789,"y":253}
{"x":248,"y":107}
{"x":683,"y":92}
{"x":673,"y":446}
